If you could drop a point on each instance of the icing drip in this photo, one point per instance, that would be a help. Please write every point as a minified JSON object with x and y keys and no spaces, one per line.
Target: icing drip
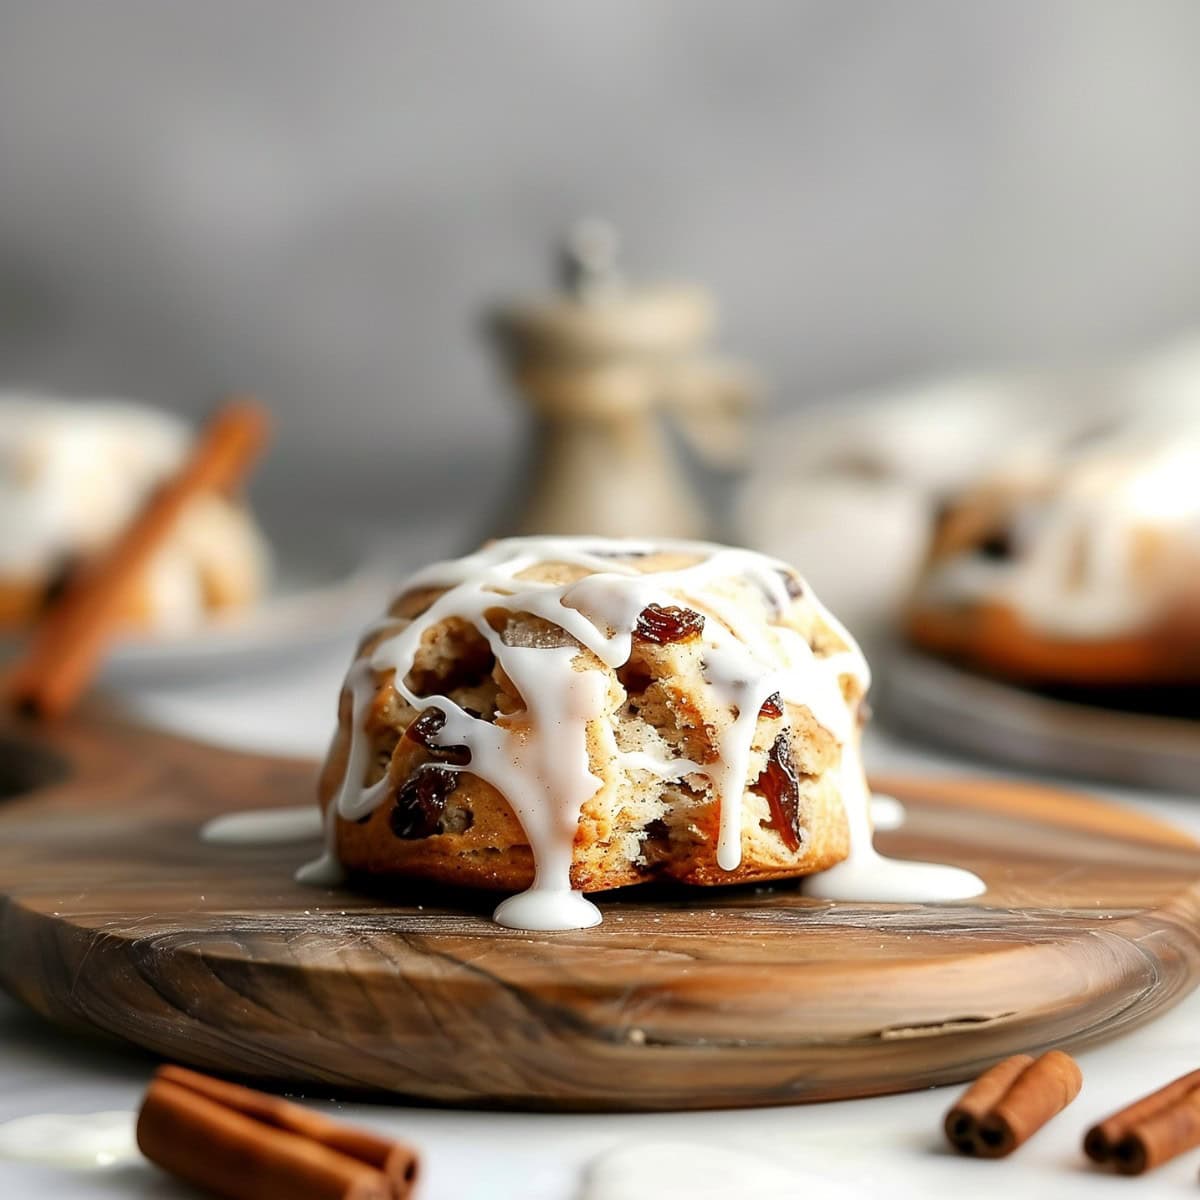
{"x":886,"y":812}
{"x":78,"y":1140}
{"x":538,"y":757}
{"x":533,"y":769}
{"x":867,"y":875}
{"x":325,"y":871}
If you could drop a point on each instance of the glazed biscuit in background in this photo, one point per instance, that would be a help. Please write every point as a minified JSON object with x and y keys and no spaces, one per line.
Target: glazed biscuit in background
{"x":1079,"y":571}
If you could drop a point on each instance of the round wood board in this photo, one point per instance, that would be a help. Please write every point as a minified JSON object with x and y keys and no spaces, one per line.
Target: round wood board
{"x":963,"y":710}
{"x":115,"y":917}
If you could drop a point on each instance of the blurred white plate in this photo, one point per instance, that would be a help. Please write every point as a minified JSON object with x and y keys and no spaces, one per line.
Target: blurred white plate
{"x":967,"y":712}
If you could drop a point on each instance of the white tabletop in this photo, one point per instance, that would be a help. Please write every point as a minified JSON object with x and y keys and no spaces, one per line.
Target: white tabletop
{"x":889,"y":1146}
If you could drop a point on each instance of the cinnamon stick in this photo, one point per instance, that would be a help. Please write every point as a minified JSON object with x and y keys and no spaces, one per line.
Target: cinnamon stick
{"x":1009,"y":1103}
{"x":1151,"y":1131}
{"x":71,"y":639}
{"x":399,"y":1162}
{"x":244,"y":1145}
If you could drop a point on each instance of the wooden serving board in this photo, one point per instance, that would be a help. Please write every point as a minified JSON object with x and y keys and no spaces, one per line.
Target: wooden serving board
{"x":115,"y":917}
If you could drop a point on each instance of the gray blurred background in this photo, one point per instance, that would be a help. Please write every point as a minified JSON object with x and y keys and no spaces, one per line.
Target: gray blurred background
{"x":312,"y":201}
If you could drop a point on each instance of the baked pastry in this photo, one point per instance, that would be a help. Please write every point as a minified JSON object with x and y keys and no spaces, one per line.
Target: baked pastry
{"x":1080,"y":570}
{"x":595,"y":713}
{"x":73,"y":474}
{"x":570,"y":715}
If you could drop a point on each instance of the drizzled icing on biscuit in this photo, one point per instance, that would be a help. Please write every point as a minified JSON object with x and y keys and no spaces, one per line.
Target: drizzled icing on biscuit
{"x":539,"y":758}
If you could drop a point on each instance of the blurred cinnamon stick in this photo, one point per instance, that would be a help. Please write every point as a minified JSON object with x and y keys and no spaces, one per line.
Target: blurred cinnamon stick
{"x":70,"y":641}
{"x":396,"y":1160}
{"x":245,"y":1145}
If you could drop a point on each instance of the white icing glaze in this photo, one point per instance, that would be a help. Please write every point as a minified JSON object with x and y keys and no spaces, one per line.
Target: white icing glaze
{"x":325,"y":871}
{"x":663,"y":768}
{"x":866,"y":875}
{"x":77,"y":1140}
{"x":264,"y":826}
{"x":886,"y":812}
{"x":539,"y":758}
{"x":546,"y":908}
{"x":1076,"y":528}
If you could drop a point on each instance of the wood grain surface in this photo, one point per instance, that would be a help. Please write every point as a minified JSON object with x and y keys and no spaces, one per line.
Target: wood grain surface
{"x":115,"y":917}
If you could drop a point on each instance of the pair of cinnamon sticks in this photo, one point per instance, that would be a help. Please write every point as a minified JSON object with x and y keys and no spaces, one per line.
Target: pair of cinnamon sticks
{"x":1151,"y":1131}
{"x":1009,"y":1103}
{"x":68,"y":644}
{"x":246,"y":1145}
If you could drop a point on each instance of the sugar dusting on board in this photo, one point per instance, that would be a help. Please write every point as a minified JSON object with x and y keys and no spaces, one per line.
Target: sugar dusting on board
{"x":541,"y":765}
{"x":80,"y":1141}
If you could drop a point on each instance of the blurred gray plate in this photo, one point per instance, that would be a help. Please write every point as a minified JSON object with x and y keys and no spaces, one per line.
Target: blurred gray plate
{"x":962,"y":711}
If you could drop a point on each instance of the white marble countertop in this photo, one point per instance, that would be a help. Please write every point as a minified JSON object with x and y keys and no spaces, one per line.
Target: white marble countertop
{"x":888,"y":1146}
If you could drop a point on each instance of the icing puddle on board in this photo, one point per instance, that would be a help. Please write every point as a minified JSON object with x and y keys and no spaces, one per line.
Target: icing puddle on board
{"x":80,"y":1141}
{"x":866,"y":875}
{"x":264,"y":826}
{"x":540,"y":762}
